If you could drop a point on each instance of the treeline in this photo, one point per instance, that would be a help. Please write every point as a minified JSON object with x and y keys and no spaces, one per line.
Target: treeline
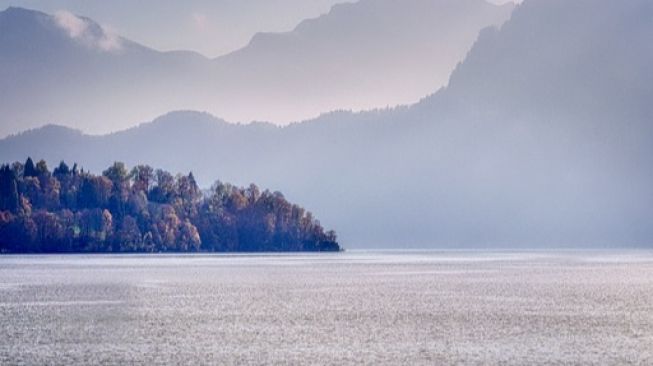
{"x":143,"y":210}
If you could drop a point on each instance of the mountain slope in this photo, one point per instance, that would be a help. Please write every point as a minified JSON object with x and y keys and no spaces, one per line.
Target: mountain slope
{"x":542,"y":138}
{"x":69,"y":70}
{"x":363,"y":55}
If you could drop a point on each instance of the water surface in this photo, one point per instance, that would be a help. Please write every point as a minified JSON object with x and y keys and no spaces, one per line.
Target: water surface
{"x":510,"y":308}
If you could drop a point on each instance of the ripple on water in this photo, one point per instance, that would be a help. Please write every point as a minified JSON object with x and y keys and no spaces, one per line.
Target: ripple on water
{"x":510,"y":308}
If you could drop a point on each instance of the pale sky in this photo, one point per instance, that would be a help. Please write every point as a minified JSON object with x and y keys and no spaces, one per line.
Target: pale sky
{"x":210,"y":27}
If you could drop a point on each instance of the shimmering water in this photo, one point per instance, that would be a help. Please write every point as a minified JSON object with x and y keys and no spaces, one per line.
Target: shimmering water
{"x":509,"y":308}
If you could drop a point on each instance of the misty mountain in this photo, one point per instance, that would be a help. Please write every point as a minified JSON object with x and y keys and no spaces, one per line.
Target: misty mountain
{"x":362,"y":55}
{"x":69,"y":70}
{"x":542,"y":138}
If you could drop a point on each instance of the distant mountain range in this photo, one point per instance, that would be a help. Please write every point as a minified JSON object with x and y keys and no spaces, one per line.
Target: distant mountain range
{"x":70,"y":70}
{"x":542,"y":138}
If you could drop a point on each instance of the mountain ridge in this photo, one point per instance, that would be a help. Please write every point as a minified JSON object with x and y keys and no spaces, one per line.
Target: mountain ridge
{"x":105,"y":82}
{"x":528,"y":146}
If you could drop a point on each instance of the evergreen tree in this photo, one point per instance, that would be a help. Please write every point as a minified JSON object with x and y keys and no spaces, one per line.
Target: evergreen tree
{"x":62,"y":170}
{"x":29,"y":170}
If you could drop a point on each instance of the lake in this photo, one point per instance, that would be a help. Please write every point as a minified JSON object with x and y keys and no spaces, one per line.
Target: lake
{"x":358,"y":307}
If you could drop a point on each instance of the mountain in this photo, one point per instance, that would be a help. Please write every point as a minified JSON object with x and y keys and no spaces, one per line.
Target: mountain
{"x":327,"y":161}
{"x":543,"y":138}
{"x":362,"y":55}
{"x":69,"y":70}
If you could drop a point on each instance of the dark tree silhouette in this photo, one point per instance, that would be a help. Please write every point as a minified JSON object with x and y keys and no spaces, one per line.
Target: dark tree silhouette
{"x":29,"y":170}
{"x":144,"y":210}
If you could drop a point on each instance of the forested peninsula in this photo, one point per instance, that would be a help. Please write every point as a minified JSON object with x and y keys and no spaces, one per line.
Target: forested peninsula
{"x":69,"y":210}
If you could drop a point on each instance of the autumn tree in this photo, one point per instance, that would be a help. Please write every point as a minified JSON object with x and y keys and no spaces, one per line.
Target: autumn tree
{"x":143,"y":210}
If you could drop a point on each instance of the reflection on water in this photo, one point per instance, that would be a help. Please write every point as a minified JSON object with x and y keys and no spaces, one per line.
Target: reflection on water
{"x":342,"y":308}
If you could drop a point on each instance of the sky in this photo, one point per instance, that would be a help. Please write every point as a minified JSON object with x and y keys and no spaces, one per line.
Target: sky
{"x":210,"y":27}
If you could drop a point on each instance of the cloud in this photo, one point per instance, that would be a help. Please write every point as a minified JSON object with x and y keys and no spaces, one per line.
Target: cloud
{"x":75,"y":26}
{"x":110,"y":41}
{"x":80,"y":29}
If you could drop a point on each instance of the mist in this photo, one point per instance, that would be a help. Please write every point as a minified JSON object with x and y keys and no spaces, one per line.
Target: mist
{"x":365,"y":55}
{"x":541,"y":138}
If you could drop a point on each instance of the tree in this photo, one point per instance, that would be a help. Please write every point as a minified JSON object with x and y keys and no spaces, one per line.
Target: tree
{"x":189,"y":238}
{"x":143,"y":176}
{"x":129,"y":236}
{"x":42,"y":169}
{"x":61,"y":171}
{"x":119,"y":177}
{"x":164,"y":189}
{"x":168,"y":227}
{"x":7,"y":235}
{"x":117,"y":173}
{"x":70,"y":211}
{"x":50,"y":192}
{"x":49,"y":230}
{"x":9,"y":197}
{"x":29,"y":170}
{"x":106,"y":224}
{"x":18,"y":168}
{"x":189,"y":194}
{"x":92,"y":193}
